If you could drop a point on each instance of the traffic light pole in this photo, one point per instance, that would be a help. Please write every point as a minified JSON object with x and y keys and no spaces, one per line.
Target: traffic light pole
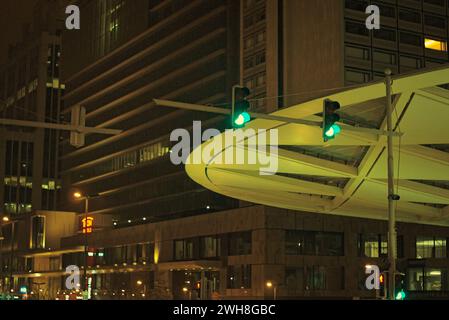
{"x":223,"y":111}
{"x":391,"y":196}
{"x":56,"y":126}
{"x":86,"y":245}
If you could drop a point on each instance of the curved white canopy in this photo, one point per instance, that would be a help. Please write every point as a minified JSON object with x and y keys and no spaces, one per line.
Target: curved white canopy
{"x":348,"y":175}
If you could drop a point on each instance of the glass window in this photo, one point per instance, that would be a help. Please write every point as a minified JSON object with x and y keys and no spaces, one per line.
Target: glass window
{"x":239,"y":277}
{"x":38,"y":232}
{"x":376,"y":245}
{"x":437,"y":45}
{"x":184,"y":249}
{"x":294,"y":279}
{"x":357,"y":52}
{"x":431,"y":247}
{"x":210,"y":247}
{"x":316,"y":278}
{"x":427,"y":279}
{"x":440,"y":248}
{"x":240,"y":243}
{"x":434,"y":279}
{"x":357,"y":76}
{"x":410,"y":16}
{"x":314,"y":243}
{"x":384,"y":57}
{"x":411,"y":39}
{"x":355,"y":27}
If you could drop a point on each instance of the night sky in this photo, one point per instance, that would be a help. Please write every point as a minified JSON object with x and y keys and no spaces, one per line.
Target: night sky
{"x":13,"y":13}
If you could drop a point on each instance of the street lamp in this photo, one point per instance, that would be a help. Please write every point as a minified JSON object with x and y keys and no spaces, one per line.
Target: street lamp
{"x":4,"y":219}
{"x":79,"y":196}
{"x":270,"y":285}
{"x":139,"y":283}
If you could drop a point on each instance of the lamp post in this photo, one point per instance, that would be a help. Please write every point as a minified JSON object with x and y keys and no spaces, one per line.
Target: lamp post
{"x":270,"y":285}
{"x":4,"y":219}
{"x":80,"y":196}
{"x":139,"y":283}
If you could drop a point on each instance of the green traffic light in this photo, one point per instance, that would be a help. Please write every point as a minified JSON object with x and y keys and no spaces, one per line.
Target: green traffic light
{"x":242,"y":118}
{"x":333,"y":131}
{"x":400,"y":295}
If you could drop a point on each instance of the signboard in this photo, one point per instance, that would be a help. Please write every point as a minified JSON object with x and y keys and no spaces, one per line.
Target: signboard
{"x":87,"y":224}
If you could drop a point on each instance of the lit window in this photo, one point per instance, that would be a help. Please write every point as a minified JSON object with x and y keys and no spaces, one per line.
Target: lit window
{"x":437,"y":45}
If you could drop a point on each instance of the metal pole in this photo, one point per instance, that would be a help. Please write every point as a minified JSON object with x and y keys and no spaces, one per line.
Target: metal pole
{"x":233,"y":101}
{"x":274,"y":293}
{"x":86,"y":210}
{"x":391,"y":195}
{"x":1,"y":257}
{"x":68,"y":127}
{"x":254,"y":115}
{"x":11,"y":258}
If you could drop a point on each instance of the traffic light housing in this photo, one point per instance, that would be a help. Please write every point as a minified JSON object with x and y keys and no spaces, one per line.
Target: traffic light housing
{"x":382,"y":292}
{"x":78,"y":119}
{"x":400,"y":288}
{"x":330,"y":118}
{"x":240,"y":106}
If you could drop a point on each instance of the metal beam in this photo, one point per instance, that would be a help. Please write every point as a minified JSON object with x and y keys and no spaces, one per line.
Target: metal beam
{"x":210,"y":109}
{"x":55,"y":126}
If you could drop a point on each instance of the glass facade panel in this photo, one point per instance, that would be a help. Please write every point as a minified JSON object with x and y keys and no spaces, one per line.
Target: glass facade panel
{"x":240,"y":243}
{"x":314,"y":243}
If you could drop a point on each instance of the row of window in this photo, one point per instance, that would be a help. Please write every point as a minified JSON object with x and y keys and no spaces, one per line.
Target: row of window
{"x":315,"y":278}
{"x":211,"y":246}
{"x":361,"y":75}
{"x":389,"y":34}
{"x":404,"y":14}
{"x":316,"y":243}
{"x":126,"y":160}
{"x":114,"y":256}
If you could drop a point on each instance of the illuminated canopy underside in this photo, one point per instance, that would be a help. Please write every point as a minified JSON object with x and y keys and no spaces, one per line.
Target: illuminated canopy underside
{"x":348,"y":176}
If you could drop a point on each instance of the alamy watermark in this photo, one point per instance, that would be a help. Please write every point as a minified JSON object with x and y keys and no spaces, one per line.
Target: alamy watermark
{"x":73,"y":21}
{"x":372,"y":282}
{"x":241,"y":146}
{"x":72,"y":282}
{"x":373,"y":21}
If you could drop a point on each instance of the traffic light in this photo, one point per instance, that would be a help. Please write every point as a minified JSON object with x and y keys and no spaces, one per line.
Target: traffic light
{"x":400,"y":289}
{"x":330,"y":117}
{"x":240,"y":106}
{"x":78,"y":119}
{"x":382,"y":292}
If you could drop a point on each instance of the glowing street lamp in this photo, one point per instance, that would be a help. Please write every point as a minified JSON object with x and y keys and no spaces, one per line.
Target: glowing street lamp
{"x":270,"y":285}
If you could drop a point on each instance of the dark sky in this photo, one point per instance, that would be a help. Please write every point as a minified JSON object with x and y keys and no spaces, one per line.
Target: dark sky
{"x":13,"y":13}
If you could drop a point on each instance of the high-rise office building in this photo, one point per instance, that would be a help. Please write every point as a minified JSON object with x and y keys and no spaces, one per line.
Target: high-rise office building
{"x":30,"y":90}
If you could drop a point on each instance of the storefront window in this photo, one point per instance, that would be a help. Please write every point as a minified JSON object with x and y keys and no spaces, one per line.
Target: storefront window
{"x":427,"y":279}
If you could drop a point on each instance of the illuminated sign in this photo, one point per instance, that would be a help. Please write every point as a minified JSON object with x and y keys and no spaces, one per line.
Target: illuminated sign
{"x":87,"y":224}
